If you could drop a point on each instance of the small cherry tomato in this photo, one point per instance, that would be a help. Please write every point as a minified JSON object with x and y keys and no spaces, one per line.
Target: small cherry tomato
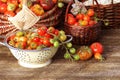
{"x":9,"y":13}
{"x":33,"y":45}
{"x":51,"y":29}
{"x":36,"y":39}
{"x":23,"y":39}
{"x":96,"y":47}
{"x":47,"y":35}
{"x":42,"y":30}
{"x":79,"y":16}
{"x":56,"y":32}
{"x":3,"y":8}
{"x":91,"y":22}
{"x":90,"y":12}
{"x":71,"y":21}
{"x":84,"y":23}
{"x":99,"y":56}
{"x":46,"y":42}
{"x":70,"y":15}
{"x":86,"y":18}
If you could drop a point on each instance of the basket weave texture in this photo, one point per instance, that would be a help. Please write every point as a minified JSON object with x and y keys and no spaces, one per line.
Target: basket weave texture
{"x":110,"y":12}
{"x":82,"y":35}
{"x":50,"y":18}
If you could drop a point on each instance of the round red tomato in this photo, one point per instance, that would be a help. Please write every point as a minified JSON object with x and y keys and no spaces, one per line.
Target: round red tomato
{"x":47,"y":35}
{"x":46,"y":42}
{"x":71,"y":21}
{"x":9,"y":13}
{"x":90,"y":12}
{"x":3,"y":8}
{"x":70,"y":15}
{"x":96,"y":47}
{"x":42,"y":30}
{"x":36,"y":39}
{"x":86,"y":18}
{"x":79,"y":16}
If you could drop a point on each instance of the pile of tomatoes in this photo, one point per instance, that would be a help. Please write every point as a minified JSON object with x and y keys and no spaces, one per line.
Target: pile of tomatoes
{"x":41,"y":38}
{"x":87,"y":19}
{"x":39,"y":7}
{"x":86,"y":52}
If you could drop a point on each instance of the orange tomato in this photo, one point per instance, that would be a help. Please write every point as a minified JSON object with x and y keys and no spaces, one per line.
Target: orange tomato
{"x":90,"y":12}
{"x":23,"y":39}
{"x":86,"y":18}
{"x":99,"y":56}
{"x":84,"y":23}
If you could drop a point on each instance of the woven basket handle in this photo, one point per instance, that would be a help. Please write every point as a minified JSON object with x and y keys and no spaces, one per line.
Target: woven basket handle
{"x":67,"y":9}
{"x":97,"y":5}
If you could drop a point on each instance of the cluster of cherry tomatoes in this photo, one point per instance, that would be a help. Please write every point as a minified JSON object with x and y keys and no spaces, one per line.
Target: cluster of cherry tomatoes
{"x":86,"y":52}
{"x":39,"y":7}
{"x":44,"y":37}
{"x":81,"y":19}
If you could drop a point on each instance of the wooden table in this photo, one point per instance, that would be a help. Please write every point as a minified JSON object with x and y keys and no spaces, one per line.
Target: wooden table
{"x":62,"y":69}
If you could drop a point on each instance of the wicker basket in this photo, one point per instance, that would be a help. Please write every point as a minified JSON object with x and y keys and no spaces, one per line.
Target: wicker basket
{"x":109,"y":12}
{"x":50,"y":18}
{"x":82,"y":35}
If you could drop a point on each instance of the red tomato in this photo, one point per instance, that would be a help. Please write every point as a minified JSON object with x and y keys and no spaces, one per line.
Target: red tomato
{"x":36,"y":39}
{"x":70,"y":15}
{"x":3,"y":8}
{"x":47,"y":35}
{"x":54,"y":1}
{"x":46,"y":42}
{"x":79,"y":16}
{"x":42,"y":30}
{"x":90,"y":12}
{"x":86,"y":18}
{"x":9,"y":13}
{"x":96,"y":47}
{"x":12,"y":37}
{"x":91,"y":22}
{"x":56,"y":32}
{"x":77,"y":23}
{"x":71,"y":21}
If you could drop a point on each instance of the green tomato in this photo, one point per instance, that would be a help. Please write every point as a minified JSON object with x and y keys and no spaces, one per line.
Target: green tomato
{"x":76,"y":57}
{"x":56,"y":44}
{"x":62,"y":38}
{"x":61,"y":32}
{"x":60,"y":4}
{"x":72,"y":50}
{"x":69,"y":45}
{"x":39,"y":48}
{"x":52,"y":41}
{"x":67,"y":56}
{"x":19,"y":34}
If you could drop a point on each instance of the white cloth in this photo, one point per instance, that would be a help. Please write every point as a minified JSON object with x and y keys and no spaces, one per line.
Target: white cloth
{"x":103,"y":2}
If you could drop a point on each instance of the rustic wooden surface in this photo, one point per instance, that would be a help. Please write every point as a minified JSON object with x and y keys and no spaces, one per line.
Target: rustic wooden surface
{"x":62,"y":69}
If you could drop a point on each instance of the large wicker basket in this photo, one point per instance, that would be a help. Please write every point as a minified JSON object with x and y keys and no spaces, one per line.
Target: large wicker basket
{"x":50,"y":18}
{"x":82,"y":35}
{"x":110,"y":12}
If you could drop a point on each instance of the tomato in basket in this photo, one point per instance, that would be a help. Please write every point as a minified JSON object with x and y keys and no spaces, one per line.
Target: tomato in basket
{"x":3,"y":8}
